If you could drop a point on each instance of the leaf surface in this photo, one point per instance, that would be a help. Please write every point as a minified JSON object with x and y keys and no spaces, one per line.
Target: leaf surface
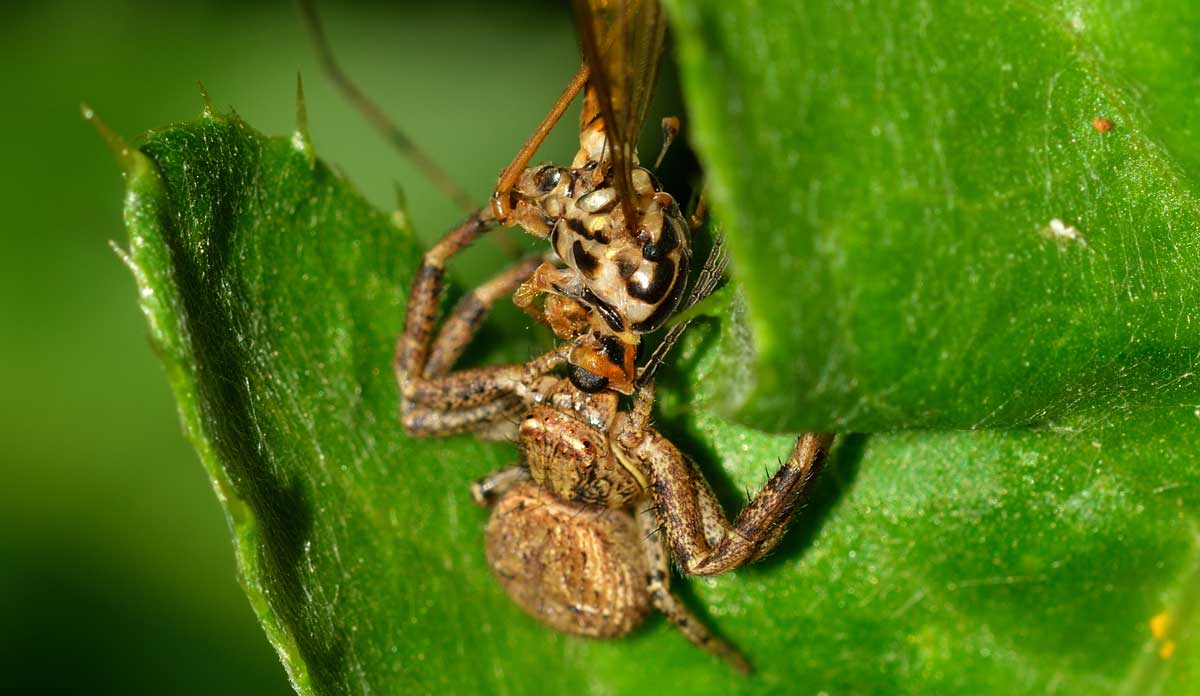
{"x":1060,"y":558}
{"x":928,"y":226}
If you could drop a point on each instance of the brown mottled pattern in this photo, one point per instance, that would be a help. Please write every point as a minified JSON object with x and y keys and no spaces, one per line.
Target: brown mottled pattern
{"x":703,"y":542}
{"x":574,"y":568}
{"x":572,"y":459}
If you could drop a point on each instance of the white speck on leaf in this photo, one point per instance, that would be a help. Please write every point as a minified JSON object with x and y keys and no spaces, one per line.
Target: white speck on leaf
{"x":1059,"y":230}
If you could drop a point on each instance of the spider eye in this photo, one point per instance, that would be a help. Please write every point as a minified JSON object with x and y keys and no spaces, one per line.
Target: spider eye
{"x":585,"y":381}
{"x":547,"y":178}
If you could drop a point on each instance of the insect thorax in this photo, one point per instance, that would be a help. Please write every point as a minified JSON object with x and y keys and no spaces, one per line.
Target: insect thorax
{"x":628,"y":279}
{"x":634,"y":280}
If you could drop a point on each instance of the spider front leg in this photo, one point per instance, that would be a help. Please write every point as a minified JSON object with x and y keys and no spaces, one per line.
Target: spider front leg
{"x":658,"y":585}
{"x":433,"y":402}
{"x":487,"y":490}
{"x":701,"y":538}
{"x":468,"y":315}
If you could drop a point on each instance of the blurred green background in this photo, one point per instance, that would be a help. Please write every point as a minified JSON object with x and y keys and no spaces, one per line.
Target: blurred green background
{"x":116,"y":568}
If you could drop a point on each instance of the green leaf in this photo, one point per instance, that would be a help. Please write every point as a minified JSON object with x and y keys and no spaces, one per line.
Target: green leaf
{"x":1058,"y":559}
{"x":890,"y":173}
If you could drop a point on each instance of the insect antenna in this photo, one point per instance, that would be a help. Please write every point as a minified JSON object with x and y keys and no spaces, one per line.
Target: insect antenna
{"x":508,"y":177}
{"x":388,"y":128}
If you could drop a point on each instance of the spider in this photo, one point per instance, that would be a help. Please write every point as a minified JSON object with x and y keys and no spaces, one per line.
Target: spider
{"x":564,"y":539}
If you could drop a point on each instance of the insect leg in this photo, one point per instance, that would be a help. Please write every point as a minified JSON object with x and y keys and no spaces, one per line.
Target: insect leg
{"x":375,"y":115}
{"x":670,"y":128}
{"x":710,"y":276}
{"x":549,"y":279}
{"x":501,"y":199}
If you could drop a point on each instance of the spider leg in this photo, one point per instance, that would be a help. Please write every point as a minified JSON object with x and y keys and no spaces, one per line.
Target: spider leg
{"x":475,"y":399}
{"x":487,"y":490}
{"x":701,"y":538}
{"x":412,"y":348}
{"x":658,"y":581}
{"x":468,"y":315}
{"x":425,"y":421}
{"x":433,"y":402}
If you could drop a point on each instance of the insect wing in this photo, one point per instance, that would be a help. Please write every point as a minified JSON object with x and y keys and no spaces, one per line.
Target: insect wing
{"x":622,"y":43}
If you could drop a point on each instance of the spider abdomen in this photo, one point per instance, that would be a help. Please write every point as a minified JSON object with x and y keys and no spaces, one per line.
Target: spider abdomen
{"x":576,"y":568}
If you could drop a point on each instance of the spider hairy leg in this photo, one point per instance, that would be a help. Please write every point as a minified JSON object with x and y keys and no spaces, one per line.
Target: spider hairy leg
{"x":413,"y":346}
{"x":439,"y":403}
{"x":658,"y":585}
{"x":703,"y":541}
{"x":473,"y":399}
{"x":487,"y":490}
{"x":701,"y":538}
{"x":468,"y":315}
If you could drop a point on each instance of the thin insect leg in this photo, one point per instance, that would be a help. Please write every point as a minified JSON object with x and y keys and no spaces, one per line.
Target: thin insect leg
{"x":501,"y":199}
{"x":375,"y":115}
{"x":659,"y":355}
{"x":487,"y":490}
{"x":467,"y":316}
{"x":658,"y":584}
{"x":397,"y":138}
{"x":708,"y":280}
{"x":703,"y":542}
{"x":711,"y":273}
{"x":701,"y":211}
{"x":670,"y":128}
{"x":548,"y":279}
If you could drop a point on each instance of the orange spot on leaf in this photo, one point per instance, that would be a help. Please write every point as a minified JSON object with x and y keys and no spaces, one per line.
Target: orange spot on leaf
{"x":1159,"y":624}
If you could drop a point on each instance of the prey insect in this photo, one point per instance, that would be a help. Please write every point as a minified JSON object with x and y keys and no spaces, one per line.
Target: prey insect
{"x":623,"y":247}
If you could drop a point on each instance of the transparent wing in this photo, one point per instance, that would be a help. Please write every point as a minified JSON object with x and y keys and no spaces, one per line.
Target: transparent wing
{"x":622,"y":43}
